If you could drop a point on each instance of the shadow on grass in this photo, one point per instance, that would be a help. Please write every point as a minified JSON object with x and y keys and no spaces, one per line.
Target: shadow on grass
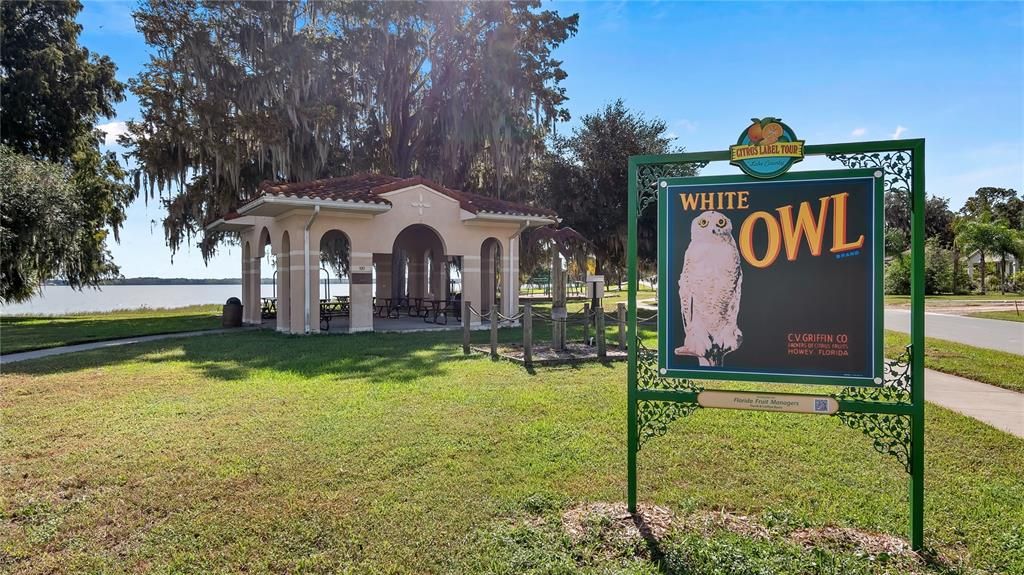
{"x":237,"y":356}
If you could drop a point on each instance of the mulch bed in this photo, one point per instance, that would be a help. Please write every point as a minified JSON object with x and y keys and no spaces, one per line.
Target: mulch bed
{"x":652,"y":522}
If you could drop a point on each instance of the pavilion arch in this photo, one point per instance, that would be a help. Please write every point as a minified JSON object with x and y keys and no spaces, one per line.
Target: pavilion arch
{"x":490,"y":275}
{"x":335,"y":260}
{"x":419,"y":264}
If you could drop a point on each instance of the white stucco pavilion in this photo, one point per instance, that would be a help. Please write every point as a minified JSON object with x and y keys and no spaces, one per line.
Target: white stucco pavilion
{"x":403,"y":234}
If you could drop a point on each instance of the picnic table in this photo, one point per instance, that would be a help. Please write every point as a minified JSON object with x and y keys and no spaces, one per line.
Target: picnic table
{"x":332,"y":309}
{"x":391,"y":307}
{"x":436,"y":309}
{"x":268,"y":308}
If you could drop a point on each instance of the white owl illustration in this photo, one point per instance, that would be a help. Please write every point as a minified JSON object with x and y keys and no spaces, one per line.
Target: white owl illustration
{"x":709,"y":291}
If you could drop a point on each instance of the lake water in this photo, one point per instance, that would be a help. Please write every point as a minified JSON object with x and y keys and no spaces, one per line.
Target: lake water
{"x":57,"y":300}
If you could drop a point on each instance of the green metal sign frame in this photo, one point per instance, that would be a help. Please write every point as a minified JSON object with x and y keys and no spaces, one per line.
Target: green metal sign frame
{"x":891,"y":415}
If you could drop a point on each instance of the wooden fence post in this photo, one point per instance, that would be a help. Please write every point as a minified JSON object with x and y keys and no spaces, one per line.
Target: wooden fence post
{"x":528,"y":334}
{"x":602,"y":350}
{"x":586,"y":324}
{"x":622,"y":326}
{"x":465,"y":326}
{"x":494,"y":332}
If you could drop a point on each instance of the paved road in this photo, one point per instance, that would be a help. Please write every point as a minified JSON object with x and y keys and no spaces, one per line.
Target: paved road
{"x":989,"y":333}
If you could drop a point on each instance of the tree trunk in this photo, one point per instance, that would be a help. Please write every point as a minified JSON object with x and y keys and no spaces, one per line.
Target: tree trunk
{"x":1002,"y":273}
{"x":982,"y":272}
{"x":956,"y":267}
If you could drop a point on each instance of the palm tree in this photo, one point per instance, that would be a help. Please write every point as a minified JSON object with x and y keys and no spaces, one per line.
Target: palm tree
{"x":1007,"y":241}
{"x":979,"y":235}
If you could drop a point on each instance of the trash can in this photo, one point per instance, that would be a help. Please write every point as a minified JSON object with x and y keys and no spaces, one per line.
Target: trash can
{"x":231,"y":316}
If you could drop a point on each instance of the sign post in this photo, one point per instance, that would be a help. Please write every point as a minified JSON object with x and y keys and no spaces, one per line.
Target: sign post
{"x":773,"y":276}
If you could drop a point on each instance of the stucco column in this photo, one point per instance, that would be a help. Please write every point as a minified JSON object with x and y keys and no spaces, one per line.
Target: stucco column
{"x":487,"y":269}
{"x":252,"y":311}
{"x":360,"y":292}
{"x":439,"y":276}
{"x":284,"y":312}
{"x":383,"y":265}
{"x":296,"y":289}
{"x":246,"y":292}
{"x":471,"y":284}
{"x":510,"y":278}
{"x":314,"y":287}
{"x":417,"y":271}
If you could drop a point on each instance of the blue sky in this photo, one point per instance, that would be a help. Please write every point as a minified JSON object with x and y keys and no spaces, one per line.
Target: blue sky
{"x":948,"y":72}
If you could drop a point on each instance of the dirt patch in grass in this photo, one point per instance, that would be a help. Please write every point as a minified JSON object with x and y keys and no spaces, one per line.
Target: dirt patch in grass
{"x":849,"y":539}
{"x":616,"y":522}
{"x":617,"y":528}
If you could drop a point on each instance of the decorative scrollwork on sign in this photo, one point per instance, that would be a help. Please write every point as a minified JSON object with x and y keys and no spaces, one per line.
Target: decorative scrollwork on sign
{"x":890,"y":433}
{"x":653,"y":417}
{"x":897,"y":166}
{"x":647,"y":176}
{"x":647,"y":376}
{"x":895,"y":387}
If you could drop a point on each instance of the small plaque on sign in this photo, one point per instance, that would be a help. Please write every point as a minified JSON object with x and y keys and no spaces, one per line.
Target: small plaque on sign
{"x":789,"y":403}
{"x":559,"y":313}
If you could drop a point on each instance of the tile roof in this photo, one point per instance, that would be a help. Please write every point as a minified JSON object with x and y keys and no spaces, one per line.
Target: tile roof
{"x":357,"y":188}
{"x":368,"y":188}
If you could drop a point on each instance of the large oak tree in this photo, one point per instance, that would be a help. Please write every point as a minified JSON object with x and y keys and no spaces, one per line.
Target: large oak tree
{"x":235,"y":93}
{"x":61,"y":194}
{"x":586,"y":181}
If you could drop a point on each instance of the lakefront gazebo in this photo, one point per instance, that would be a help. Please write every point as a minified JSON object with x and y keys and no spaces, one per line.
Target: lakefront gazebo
{"x":403,"y":237}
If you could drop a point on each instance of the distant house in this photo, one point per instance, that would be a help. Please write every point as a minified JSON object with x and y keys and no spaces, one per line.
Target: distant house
{"x":974,"y":260}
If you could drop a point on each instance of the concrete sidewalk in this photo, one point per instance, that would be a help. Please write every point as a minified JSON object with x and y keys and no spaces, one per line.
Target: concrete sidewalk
{"x":998,"y":407}
{"x":36,"y":354}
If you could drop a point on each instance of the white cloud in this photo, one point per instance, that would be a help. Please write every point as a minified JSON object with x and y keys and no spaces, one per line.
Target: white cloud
{"x":671,"y":135}
{"x":686,"y":125}
{"x":112,"y":130}
{"x":900,"y":130}
{"x":858,"y":132}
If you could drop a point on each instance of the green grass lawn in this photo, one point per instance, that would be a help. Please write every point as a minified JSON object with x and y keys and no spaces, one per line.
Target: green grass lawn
{"x":949,"y":299}
{"x":24,"y":333}
{"x":377,"y":453}
{"x":1010,"y":315}
{"x":980,"y":364}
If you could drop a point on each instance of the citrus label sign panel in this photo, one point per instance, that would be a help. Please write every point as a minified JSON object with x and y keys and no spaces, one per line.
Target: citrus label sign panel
{"x":766,"y":148}
{"x":776,"y":281}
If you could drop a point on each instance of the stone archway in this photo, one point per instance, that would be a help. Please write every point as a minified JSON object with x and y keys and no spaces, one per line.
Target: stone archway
{"x":335,"y":263}
{"x":419,"y":264}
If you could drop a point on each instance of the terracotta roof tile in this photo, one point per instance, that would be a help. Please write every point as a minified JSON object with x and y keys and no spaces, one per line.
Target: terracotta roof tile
{"x":369,"y":188}
{"x":355,"y":188}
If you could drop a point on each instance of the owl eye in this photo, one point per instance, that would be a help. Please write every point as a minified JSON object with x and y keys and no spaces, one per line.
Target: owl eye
{"x":721,"y":222}
{"x":702,"y":223}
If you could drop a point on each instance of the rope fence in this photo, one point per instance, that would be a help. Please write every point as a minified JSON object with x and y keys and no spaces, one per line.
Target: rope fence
{"x":585,"y":322}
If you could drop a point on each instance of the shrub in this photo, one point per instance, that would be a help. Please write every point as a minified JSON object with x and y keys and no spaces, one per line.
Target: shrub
{"x":897,"y":276}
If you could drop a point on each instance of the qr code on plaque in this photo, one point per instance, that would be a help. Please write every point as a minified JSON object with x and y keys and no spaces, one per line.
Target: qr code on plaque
{"x":820,"y":405}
